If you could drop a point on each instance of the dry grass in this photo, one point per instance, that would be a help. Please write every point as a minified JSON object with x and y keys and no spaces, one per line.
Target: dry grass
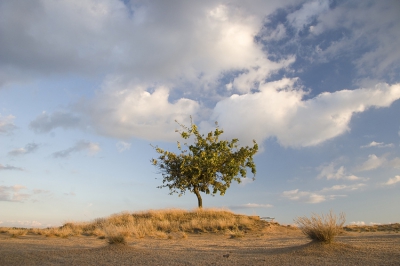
{"x":322,"y":228}
{"x":164,"y":224}
{"x":390,"y":228}
{"x":17,"y":232}
{"x":116,"y":235}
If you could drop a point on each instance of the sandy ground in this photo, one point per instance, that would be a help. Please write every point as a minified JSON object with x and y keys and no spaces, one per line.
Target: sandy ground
{"x":288,"y":247}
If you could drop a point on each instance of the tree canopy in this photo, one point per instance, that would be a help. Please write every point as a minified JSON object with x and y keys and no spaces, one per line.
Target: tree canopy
{"x":209,"y":165}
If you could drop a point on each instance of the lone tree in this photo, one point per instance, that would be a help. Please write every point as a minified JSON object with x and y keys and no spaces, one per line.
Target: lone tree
{"x":209,"y":165}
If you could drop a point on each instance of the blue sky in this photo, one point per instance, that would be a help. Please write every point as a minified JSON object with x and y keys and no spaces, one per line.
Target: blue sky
{"x":87,"y":86}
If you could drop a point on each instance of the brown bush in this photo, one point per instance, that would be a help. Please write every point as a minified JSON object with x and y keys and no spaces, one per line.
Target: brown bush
{"x":322,"y":228}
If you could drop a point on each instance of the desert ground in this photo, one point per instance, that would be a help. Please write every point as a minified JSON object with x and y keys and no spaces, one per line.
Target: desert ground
{"x":272,"y":245}
{"x":201,"y":237}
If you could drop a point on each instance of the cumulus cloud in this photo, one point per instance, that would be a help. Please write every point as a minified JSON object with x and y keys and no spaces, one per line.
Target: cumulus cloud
{"x":10,"y":167}
{"x":90,"y":147}
{"x":22,"y":223}
{"x":372,"y":163}
{"x":47,"y":122}
{"x":29,"y":148}
{"x":13,"y":193}
{"x":321,"y":195}
{"x":278,"y":110}
{"x":152,"y":41}
{"x":131,"y":111}
{"x":251,"y":205}
{"x":378,"y":145}
{"x":343,"y":187}
{"x":393,"y":180}
{"x":123,"y":146}
{"x":330,"y":171}
{"x":7,"y":124}
{"x":358,"y":223}
{"x":304,"y":196}
{"x":153,"y":51}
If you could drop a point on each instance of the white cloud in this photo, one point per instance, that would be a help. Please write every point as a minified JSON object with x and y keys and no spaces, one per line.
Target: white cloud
{"x":131,"y":111}
{"x":321,"y":195}
{"x":143,"y":40}
{"x":393,"y":180}
{"x":7,"y":124}
{"x":378,"y":145}
{"x":372,"y":163}
{"x":29,"y":148}
{"x":258,"y":73}
{"x":279,"y":110}
{"x":13,"y":193}
{"x":331,"y":172}
{"x":359,"y":223}
{"x":159,"y":49}
{"x":25,"y":223}
{"x":90,"y":147}
{"x":123,"y":146}
{"x":276,"y":34}
{"x":369,"y":24}
{"x":251,"y":205}
{"x":343,"y":187}
{"x":309,"y":11}
{"x":304,"y":196}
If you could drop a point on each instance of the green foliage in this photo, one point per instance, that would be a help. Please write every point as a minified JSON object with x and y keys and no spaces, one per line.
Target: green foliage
{"x":209,"y":165}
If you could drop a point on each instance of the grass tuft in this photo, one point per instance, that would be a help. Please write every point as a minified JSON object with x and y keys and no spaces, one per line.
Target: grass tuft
{"x":322,"y":228}
{"x":115,"y":235}
{"x":17,"y":232}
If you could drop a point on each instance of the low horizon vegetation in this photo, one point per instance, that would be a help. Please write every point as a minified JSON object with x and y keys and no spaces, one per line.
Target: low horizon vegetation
{"x":178,"y":223}
{"x":165,"y":224}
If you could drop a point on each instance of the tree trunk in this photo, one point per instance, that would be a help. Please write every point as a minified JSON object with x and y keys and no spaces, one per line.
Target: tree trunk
{"x":199,"y":200}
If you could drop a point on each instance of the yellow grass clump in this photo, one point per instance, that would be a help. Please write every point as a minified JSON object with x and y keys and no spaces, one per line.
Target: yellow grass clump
{"x":17,"y":232}
{"x":322,"y":228}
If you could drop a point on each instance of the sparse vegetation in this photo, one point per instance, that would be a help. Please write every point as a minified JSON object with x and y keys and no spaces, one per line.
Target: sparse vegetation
{"x":390,"y":228}
{"x":163,"y":224}
{"x":322,"y":228}
{"x":115,"y":235}
{"x":17,"y":232}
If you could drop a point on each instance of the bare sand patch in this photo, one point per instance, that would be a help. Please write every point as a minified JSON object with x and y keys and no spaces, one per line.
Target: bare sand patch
{"x":273,"y":245}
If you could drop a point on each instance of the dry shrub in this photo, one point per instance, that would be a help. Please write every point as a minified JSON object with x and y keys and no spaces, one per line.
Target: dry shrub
{"x":182,"y":235}
{"x":322,"y":228}
{"x":17,"y":232}
{"x":50,"y":232}
{"x":4,"y":230}
{"x":160,"y":234}
{"x":115,"y":235}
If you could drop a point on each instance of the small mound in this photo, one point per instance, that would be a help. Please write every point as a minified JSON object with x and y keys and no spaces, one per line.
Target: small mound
{"x":322,"y":249}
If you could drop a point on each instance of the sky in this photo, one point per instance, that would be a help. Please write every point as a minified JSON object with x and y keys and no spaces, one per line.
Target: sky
{"x":87,"y":87}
